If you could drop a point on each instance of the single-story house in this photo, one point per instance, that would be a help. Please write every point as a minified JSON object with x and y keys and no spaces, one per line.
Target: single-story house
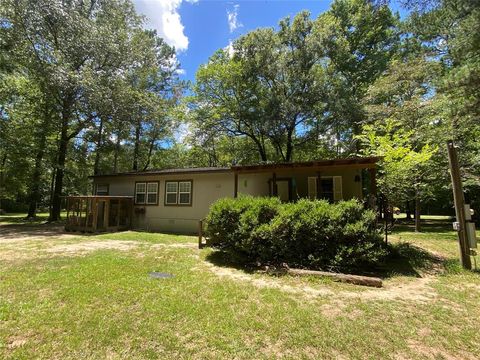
{"x":175,"y":200}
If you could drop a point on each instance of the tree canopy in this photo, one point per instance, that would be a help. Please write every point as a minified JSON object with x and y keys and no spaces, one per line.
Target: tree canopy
{"x":85,"y":89}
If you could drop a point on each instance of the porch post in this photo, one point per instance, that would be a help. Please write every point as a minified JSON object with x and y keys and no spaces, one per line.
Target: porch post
{"x":373,"y":181}
{"x":87,"y":203}
{"x":235,"y":191}
{"x":68,"y":208}
{"x":274,"y":185}
{"x":373,"y":188}
{"x":319,"y":185}
{"x":95,"y":213}
{"x":106,"y":213}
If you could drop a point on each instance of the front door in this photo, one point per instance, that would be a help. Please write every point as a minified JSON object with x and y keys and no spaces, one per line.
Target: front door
{"x":283,"y":189}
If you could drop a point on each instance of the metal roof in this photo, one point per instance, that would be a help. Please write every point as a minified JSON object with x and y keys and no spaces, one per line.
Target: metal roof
{"x":358,"y":162}
{"x":168,"y":171}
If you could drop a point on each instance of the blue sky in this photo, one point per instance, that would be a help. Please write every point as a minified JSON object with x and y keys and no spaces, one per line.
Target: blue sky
{"x":197,"y":28}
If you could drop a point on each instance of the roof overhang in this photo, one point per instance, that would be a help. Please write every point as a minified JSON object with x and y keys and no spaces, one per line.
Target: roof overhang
{"x":166,"y":172}
{"x":351,"y":163}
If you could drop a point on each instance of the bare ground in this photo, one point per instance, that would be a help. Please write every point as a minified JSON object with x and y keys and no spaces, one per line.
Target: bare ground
{"x":19,"y":242}
{"x":417,"y":289}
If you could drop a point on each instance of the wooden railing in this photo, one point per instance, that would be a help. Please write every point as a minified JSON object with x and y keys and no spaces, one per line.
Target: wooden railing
{"x":201,"y":244}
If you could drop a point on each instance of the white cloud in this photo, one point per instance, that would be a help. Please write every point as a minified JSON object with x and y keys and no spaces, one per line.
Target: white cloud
{"x":229,"y":48}
{"x":163,"y":16}
{"x":232,"y":17}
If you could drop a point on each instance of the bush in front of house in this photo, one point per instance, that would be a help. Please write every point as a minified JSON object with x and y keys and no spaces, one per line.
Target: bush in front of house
{"x":309,"y":233}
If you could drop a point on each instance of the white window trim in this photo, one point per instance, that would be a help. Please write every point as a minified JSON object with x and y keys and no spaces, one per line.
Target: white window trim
{"x":185,"y":192}
{"x":151,"y":192}
{"x":178,"y":193}
{"x":171,"y":192}
{"x":144,"y":192}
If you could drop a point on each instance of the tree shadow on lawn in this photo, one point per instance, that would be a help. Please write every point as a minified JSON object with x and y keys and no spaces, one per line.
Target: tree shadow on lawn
{"x":25,"y":230}
{"x":427,"y":226}
{"x":229,"y":259}
{"x":405,"y":259}
{"x":21,"y":220}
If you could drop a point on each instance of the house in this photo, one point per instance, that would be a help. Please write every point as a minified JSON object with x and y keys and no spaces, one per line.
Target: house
{"x":175,"y":200}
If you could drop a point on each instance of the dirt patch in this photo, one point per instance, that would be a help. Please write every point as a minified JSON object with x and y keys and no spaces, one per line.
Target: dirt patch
{"x":417,"y":290}
{"x":176,"y":245}
{"x":265,"y":282}
{"x":16,"y":342}
{"x":430,"y":352}
{"x":21,"y":233}
{"x":82,"y":247}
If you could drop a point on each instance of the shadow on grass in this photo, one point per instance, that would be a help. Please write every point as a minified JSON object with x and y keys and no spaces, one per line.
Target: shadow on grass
{"x":21,"y":220}
{"x":405,"y":260}
{"x":427,"y":226}
{"x":410,"y":260}
{"x":16,"y":230}
{"x":231,"y":260}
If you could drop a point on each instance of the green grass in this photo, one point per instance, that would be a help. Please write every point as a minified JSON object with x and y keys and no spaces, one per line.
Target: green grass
{"x":101,"y":303}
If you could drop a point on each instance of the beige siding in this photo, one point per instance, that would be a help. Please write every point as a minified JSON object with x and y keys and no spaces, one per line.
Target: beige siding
{"x":254,"y":184}
{"x":257,"y":183}
{"x":208,"y":187}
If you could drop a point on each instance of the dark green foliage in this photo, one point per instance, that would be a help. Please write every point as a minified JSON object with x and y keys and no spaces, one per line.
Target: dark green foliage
{"x":312,"y":234}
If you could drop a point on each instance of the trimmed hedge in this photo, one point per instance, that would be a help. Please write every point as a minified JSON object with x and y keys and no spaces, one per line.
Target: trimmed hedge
{"x":313,"y":234}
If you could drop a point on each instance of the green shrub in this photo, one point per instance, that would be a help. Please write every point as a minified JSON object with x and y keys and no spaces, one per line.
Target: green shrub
{"x":313,"y":234}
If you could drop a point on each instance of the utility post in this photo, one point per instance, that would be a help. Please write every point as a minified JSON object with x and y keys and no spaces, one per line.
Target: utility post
{"x":459,"y":200}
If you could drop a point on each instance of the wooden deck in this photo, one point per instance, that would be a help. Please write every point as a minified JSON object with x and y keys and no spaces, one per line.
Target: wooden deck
{"x":99,"y":213}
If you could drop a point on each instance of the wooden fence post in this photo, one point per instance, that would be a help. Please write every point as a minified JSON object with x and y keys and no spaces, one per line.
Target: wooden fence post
{"x":200,"y":234}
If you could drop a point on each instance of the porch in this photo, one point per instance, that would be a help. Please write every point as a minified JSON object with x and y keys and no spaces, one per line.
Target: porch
{"x":333,"y":180}
{"x":99,"y":213}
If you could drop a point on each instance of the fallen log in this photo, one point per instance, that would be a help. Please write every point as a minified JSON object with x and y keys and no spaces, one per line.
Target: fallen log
{"x":347,"y":278}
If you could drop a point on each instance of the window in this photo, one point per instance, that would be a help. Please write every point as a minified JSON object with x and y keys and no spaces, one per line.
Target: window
{"x":140,"y":191}
{"x":102,"y":189}
{"x":152,"y":192}
{"x":184,"y":192}
{"x":171,"y":189}
{"x":178,"y":192}
{"x":146,"y":193}
{"x":330,"y":187}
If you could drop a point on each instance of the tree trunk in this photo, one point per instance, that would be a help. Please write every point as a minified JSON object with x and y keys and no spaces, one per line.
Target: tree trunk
{"x":52,"y":186}
{"x":149,"y":156}
{"x":261,"y":149}
{"x":408,"y":211}
{"x":115,"y":155}
{"x":417,"y":212}
{"x":136,"y":149}
{"x":34,"y":197}
{"x":60,"y":172}
{"x":99,"y":145}
{"x":2,"y":167}
{"x":289,"y":151}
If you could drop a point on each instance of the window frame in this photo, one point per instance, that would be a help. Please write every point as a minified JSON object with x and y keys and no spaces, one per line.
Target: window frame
{"x":178,"y":192}
{"x":96,"y":189}
{"x":146,"y":203}
{"x":337,"y":187}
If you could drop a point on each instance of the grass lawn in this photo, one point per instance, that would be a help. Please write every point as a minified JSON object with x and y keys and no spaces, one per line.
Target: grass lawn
{"x":90,"y":296}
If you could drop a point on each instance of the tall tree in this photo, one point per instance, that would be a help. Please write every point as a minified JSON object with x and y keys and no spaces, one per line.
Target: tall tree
{"x":359,"y":39}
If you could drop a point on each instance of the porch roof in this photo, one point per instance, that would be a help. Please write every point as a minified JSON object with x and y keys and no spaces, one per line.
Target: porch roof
{"x":357,"y":163}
